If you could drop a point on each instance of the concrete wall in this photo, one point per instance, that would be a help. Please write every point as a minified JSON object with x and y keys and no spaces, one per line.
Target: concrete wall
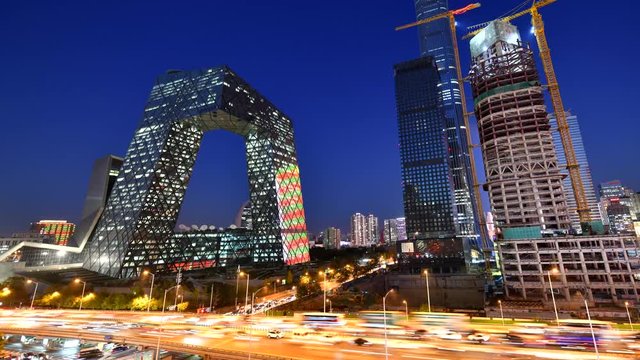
{"x":447,"y":291}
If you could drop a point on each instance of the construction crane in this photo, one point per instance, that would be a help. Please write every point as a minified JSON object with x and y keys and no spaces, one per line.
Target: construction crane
{"x":476,"y":186}
{"x":558,"y":107}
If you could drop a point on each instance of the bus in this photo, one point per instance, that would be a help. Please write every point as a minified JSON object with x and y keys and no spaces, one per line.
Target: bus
{"x":314,"y":320}
{"x":435,"y":321}
{"x":577,"y":333}
{"x":375,"y":319}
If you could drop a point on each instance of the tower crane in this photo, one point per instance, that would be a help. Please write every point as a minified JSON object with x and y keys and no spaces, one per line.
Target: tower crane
{"x":450,"y":15}
{"x":558,"y":107}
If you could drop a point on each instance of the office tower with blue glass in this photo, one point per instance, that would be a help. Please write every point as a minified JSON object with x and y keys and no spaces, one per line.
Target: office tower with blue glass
{"x":428,"y":191}
{"x":435,"y":41}
{"x":585,"y":173}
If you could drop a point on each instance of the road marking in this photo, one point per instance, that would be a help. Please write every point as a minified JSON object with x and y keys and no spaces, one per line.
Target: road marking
{"x":421,"y":357}
{"x":364,"y":352}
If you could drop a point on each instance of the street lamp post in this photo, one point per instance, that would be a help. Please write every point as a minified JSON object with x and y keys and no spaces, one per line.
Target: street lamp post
{"x":593,"y":335}
{"x":153,"y":278}
{"x":426,"y":278}
{"x":553,"y":297}
{"x":324,"y":309}
{"x":164,"y":302}
{"x":253,"y":295}
{"x":84,"y":284}
{"x":406,"y":309}
{"x":246,"y":293}
{"x":35,"y":290}
{"x":626,"y":305}
{"x":237,"y":284}
{"x":330,"y":305}
{"x":384,"y":316}
{"x":501,"y":313}
{"x":211,"y":299}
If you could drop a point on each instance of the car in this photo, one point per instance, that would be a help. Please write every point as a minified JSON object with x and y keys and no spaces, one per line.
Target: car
{"x":479,"y":337}
{"x":450,"y":335}
{"x":362,"y":342}
{"x":119,"y":348}
{"x":275,"y":334}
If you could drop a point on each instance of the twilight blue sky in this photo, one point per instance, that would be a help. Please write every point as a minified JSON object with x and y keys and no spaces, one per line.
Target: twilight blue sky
{"x":76,"y":75}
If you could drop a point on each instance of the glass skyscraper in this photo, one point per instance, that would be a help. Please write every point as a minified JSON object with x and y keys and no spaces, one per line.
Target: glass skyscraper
{"x":426,"y":170}
{"x":435,"y":41}
{"x":585,"y":171}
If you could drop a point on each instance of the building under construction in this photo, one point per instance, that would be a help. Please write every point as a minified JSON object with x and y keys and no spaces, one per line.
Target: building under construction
{"x":525,"y":186}
{"x":524,"y":180}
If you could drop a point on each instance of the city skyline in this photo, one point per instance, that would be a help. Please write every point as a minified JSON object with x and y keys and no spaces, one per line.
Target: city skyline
{"x":83,"y":80}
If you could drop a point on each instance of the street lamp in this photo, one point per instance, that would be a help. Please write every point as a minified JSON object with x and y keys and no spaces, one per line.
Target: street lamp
{"x":254,"y":295}
{"x":246,"y":294}
{"x":426,"y":278}
{"x":153,"y":278}
{"x":330,"y":305}
{"x":501,"y":313}
{"x":626,"y":305}
{"x":164,"y":299}
{"x":84,"y":285}
{"x":238,"y":272}
{"x":35,"y":290}
{"x":406,"y":309}
{"x":593,"y":335}
{"x":553,"y":297}
{"x":324,"y":309}
{"x":384,"y":315}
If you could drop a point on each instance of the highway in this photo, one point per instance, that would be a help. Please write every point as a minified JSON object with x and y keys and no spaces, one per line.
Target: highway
{"x":241,"y":339}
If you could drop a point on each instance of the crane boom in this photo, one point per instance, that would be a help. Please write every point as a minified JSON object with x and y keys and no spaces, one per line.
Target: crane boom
{"x":465,"y":115}
{"x":481,"y":26}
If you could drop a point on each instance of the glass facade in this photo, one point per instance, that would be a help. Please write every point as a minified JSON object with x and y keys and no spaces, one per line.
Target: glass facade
{"x":426,"y":172}
{"x":138,"y":221}
{"x":585,"y":171}
{"x":435,"y":41}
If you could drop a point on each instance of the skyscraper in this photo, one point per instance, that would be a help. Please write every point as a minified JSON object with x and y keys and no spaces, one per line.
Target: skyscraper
{"x":358,"y":230}
{"x":373,"y":232}
{"x":394,"y":230}
{"x":619,"y":206}
{"x":331,"y":238}
{"x":427,"y":191}
{"x":435,"y":41}
{"x":585,"y":171}
{"x":524,"y":179}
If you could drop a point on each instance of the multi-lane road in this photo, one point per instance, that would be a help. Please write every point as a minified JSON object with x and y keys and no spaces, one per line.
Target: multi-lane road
{"x":241,"y":339}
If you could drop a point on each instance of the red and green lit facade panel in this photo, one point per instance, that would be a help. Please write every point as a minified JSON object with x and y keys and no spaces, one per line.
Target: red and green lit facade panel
{"x":61,"y":231}
{"x":292,"y":221}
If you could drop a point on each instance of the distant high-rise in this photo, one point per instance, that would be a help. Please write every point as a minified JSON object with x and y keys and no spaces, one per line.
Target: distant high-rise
{"x":358,"y":230}
{"x":524,"y":179}
{"x":331,"y":238}
{"x":436,"y":42}
{"x":619,"y":206}
{"x":585,"y":171}
{"x":394,"y":230}
{"x":364,"y":230}
{"x":373,"y":232}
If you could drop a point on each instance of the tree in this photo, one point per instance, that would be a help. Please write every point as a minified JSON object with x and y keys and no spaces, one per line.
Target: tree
{"x":143,"y":302}
{"x":183,"y":306}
